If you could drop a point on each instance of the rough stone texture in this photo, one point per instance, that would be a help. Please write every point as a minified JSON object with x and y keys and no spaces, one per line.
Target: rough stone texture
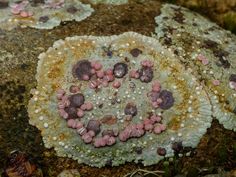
{"x":193,"y":38}
{"x":223,"y":12}
{"x":44,"y":18}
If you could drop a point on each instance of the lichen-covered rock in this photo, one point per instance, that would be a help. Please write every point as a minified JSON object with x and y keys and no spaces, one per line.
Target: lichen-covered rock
{"x":112,"y":2}
{"x":122,"y":118}
{"x":207,"y":51}
{"x":42,"y":14}
{"x":69,"y":173}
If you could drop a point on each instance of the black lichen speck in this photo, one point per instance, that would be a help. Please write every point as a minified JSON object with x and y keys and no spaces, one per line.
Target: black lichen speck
{"x":221,"y":54}
{"x":209,"y":44}
{"x":35,"y":3}
{"x":167,"y":41}
{"x":131,"y":109}
{"x":135,"y":52}
{"x":179,"y":16}
{"x":72,"y":9}
{"x":138,"y":150}
{"x":43,"y":19}
{"x":161,"y":151}
{"x":177,"y":147}
{"x":232,"y":78}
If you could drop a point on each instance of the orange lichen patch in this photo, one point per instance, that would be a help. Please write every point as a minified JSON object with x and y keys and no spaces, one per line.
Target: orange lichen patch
{"x":24,"y":19}
{"x":62,"y":136}
{"x":80,"y":49}
{"x":185,"y":96}
{"x":221,"y":97}
{"x":228,"y":108}
{"x":164,"y":64}
{"x":55,"y":72}
{"x":55,"y":86}
{"x":129,"y":39}
{"x":174,"y":124}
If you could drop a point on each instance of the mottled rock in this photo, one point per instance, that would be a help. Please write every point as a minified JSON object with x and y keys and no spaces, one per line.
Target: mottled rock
{"x":195,"y":35}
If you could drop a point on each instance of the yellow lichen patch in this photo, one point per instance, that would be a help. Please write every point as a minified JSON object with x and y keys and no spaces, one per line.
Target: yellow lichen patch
{"x":56,"y":86}
{"x":62,"y":137}
{"x":55,"y":72}
{"x":221,"y":96}
{"x":174,"y":124}
{"x":24,"y":19}
{"x":80,"y":49}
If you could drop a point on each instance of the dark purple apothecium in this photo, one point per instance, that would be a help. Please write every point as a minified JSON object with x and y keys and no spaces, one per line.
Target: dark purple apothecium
{"x":77,"y":100}
{"x":120,"y":70}
{"x":167,"y":99}
{"x":82,"y":70}
{"x":146,"y":74}
{"x":94,"y":125}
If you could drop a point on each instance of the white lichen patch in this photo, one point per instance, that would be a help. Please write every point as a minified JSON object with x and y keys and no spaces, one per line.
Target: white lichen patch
{"x":184,"y":122}
{"x":44,"y":15}
{"x":207,"y":51}
{"x":69,"y":173}
{"x":112,"y":2}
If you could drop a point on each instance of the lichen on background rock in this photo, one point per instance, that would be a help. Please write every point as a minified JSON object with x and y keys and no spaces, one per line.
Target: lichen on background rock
{"x":110,"y":100}
{"x":112,"y":2}
{"x":207,"y":51}
{"x":69,"y":173}
{"x":42,"y":14}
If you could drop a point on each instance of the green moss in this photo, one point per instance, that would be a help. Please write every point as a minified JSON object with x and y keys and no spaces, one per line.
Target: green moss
{"x":166,"y":165}
{"x":230,"y":22}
